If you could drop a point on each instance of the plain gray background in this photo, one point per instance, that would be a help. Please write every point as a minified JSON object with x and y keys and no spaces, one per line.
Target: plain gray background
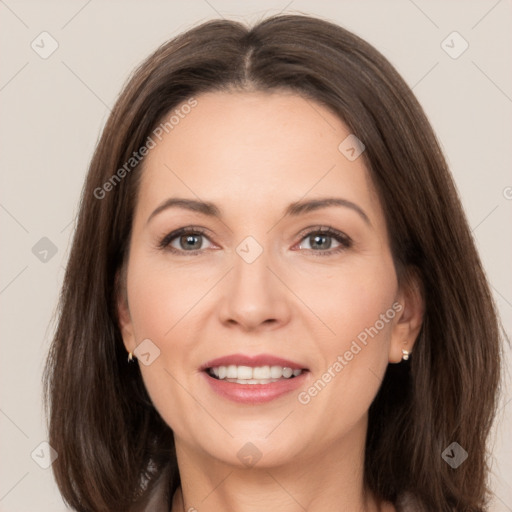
{"x":53,"y":110}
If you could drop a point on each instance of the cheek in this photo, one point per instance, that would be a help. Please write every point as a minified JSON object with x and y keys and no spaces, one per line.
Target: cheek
{"x":162,"y":297}
{"x":162,"y":308}
{"x":350,"y":298}
{"x":357,"y":307}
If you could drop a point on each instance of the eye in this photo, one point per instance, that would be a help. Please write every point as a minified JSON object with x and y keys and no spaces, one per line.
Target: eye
{"x":183,"y":240}
{"x":320,"y":241}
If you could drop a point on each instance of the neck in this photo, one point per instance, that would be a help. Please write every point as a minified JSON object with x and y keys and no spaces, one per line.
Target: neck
{"x":330,"y":480}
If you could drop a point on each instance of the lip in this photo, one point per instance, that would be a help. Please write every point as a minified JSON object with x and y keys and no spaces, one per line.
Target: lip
{"x":256,"y":360}
{"x":255,"y":393}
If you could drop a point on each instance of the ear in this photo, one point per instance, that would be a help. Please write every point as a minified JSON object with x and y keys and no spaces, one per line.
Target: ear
{"x":123,"y":311}
{"x":408,"y":322}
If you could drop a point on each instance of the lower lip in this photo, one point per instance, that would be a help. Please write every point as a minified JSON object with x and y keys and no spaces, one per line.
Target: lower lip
{"x":255,"y":393}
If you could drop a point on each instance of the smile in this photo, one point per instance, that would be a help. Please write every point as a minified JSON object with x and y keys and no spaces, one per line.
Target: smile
{"x":252,"y":375}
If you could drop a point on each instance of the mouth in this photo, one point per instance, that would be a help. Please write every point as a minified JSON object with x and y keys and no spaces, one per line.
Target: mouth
{"x":253,"y":375}
{"x":253,"y":369}
{"x":254,"y":379}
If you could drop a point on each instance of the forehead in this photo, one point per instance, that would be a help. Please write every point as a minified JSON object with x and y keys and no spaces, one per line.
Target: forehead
{"x":254,"y":150}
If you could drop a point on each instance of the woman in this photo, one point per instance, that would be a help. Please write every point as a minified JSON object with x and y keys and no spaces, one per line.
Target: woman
{"x":273,"y":300}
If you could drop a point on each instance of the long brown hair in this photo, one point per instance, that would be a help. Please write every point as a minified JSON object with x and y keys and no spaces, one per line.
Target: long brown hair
{"x":112,"y":444}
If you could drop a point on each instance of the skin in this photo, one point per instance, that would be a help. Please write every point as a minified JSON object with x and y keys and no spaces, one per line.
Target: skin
{"x":252,"y":154}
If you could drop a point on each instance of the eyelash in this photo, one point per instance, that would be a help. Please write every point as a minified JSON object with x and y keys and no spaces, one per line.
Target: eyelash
{"x":344,"y":240}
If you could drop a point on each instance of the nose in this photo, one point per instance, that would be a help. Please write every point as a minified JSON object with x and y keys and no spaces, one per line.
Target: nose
{"x":253,"y":297}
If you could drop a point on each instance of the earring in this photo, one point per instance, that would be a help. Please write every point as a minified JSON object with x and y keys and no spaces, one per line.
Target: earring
{"x":130,"y":357}
{"x":405,"y":355}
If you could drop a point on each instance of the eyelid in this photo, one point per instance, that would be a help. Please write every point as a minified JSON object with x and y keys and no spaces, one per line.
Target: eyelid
{"x":323,"y":228}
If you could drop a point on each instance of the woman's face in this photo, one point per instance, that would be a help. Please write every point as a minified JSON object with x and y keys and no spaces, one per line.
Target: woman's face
{"x":254,"y":276}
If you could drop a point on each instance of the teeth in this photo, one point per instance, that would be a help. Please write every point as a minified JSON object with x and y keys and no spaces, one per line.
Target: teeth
{"x":276,"y":372}
{"x":256,"y":375}
{"x":232,"y":372}
{"x":244,"y":372}
{"x":287,"y":372}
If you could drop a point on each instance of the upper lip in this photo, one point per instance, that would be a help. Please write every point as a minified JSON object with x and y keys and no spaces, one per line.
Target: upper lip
{"x":255,"y":360}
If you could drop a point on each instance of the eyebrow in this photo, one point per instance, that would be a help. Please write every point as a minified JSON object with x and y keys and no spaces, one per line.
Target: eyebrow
{"x":294,"y":209}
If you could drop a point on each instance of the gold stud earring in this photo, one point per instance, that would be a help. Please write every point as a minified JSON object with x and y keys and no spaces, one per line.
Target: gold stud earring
{"x":130,"y":357}
{"x":405,"y":355}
